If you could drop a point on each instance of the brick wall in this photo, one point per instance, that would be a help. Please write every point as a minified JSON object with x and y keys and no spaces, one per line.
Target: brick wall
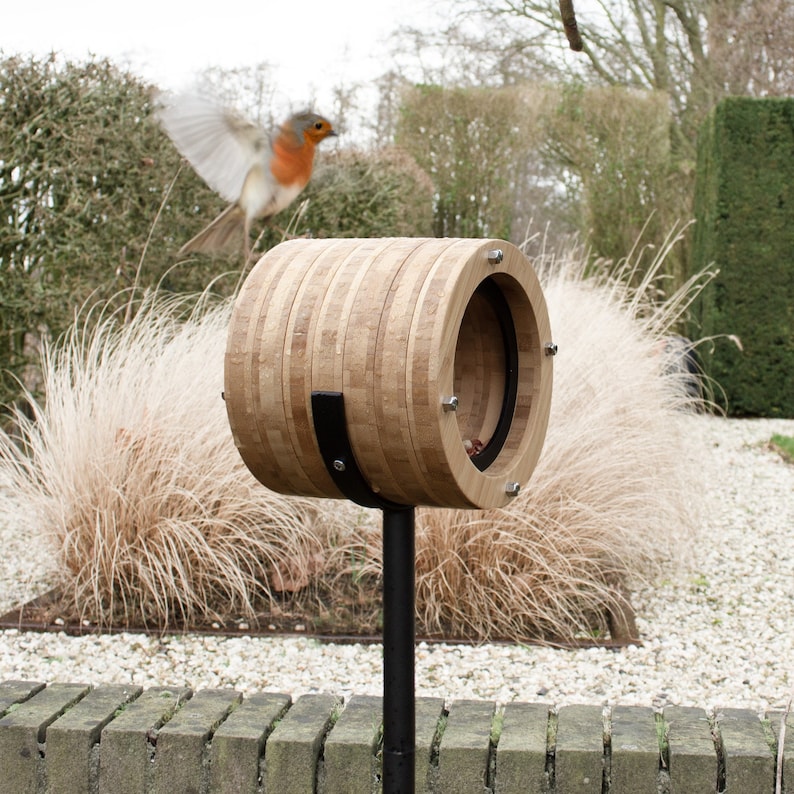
{"x":70,"y":738}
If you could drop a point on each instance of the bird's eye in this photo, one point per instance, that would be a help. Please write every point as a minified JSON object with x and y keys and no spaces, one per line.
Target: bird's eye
{"x":318,"y":125}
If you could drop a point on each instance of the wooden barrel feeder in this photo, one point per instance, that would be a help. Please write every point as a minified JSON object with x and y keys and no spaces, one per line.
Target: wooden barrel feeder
{"x":440,"y":348}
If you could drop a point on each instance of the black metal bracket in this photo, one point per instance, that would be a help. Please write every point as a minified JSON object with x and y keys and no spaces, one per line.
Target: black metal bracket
{"x":330,"y":428}
{"x":399,"y":632}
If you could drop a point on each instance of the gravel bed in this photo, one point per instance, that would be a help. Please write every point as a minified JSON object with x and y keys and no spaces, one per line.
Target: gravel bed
{"x":720,"y":633}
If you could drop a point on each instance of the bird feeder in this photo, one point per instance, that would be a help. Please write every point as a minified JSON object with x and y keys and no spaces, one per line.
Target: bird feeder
{"x":395,"y":373}
{"x":439,"y":348}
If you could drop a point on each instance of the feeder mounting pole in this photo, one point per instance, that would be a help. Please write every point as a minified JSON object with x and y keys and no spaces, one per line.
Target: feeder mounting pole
{"x":399,"y":631}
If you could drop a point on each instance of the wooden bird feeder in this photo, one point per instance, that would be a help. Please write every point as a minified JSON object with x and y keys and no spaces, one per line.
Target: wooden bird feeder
{"x":439,"y":347}
{"x":394,"y":372}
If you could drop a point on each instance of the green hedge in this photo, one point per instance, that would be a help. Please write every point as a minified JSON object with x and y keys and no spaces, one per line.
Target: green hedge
{"x":744,"y":205}
{"x":84,"y":169}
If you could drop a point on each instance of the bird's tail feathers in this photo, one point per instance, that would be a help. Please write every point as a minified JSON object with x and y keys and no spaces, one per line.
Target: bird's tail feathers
{"x":228,"y":229}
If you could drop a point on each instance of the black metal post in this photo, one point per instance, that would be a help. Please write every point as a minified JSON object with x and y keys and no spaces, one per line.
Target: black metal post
{"x":399,"y":711}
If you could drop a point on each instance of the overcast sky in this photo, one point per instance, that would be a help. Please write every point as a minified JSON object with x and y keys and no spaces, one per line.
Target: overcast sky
{"x":312,"y":46}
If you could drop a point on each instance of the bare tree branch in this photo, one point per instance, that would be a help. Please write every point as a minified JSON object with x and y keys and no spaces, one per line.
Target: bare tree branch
{"x":569,"y":24}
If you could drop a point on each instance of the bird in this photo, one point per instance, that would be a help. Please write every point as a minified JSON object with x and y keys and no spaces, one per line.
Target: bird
{"x":259,"y":173}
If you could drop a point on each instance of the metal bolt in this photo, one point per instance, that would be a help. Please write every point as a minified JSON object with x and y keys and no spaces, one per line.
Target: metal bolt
{"x":512,"y":488}
{"x":550,"y":349}
{"x":339,"y":464}
{"x":449,"y":403}
{"x":495,"y":256}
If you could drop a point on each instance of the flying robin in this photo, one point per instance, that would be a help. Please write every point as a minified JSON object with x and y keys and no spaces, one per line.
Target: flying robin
{"x":259,"y":173}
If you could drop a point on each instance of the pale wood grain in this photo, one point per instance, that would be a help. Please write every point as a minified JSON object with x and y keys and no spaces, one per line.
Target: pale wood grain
{"x":396,"y":326}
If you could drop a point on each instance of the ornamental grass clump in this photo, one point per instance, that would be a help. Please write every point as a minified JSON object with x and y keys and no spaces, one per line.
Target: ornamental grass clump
{"x":615,"y":491}
{"x":130,"y":473}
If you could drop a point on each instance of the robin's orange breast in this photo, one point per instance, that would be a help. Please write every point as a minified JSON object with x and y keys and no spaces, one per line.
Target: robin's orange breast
{"x":292,"y":165}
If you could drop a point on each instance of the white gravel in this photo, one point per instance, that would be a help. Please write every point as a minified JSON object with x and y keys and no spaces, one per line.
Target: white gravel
{"x":720,"y":633}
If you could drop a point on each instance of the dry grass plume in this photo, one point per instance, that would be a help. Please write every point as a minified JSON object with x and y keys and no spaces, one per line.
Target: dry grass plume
{"x":130,"y":472}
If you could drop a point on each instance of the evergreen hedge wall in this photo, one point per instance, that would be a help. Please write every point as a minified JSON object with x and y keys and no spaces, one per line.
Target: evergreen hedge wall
{"x":744,"y":205}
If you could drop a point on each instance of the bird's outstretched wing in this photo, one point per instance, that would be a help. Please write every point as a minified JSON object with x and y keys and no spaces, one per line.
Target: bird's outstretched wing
{"x":220,"y":145}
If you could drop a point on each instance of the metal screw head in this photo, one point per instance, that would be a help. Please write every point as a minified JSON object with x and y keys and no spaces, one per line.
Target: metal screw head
{"x":339,"y":464}
{"x":513,"y":488}
{"x":495,"y":256}
{"x":449,"y":403}
{"x":550,"y":349}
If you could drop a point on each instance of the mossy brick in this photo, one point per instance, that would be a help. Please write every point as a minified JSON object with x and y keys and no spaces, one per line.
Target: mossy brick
{"x":691,"y":750}
{"x":788,"y":753}
{"x":634,"y":766}
{"x":293,"y":749}
{"x":179,"y":762}
{"x":521,"y":752}
{"x":579,"y":751}
{"x":72,"y":739}
{"x":464,"y":751}
{"x":14,"y":692}
{"x":749,"y":762}
{"x":126,"y":744}
{"x":776,"y":720}
{"x":24,"y":729}
{"x":428,"y":717}
{"x":238,"y":746}
{"x":352,"y":745}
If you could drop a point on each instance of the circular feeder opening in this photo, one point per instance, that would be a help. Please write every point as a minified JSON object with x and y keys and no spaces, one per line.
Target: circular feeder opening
{"x":485,"y":373}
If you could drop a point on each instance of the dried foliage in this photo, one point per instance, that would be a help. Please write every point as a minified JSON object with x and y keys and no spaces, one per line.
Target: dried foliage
{"x":130,"y":472}
{"x":129,"y":469}
{"x":614,"y":498}
{"x":614,"y":495}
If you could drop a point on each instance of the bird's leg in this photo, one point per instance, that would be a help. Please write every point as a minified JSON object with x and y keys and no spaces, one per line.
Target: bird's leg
{"x":247,"y":242}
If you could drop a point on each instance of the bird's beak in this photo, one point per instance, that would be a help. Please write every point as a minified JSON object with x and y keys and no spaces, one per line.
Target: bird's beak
{"x":333,"y":133}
